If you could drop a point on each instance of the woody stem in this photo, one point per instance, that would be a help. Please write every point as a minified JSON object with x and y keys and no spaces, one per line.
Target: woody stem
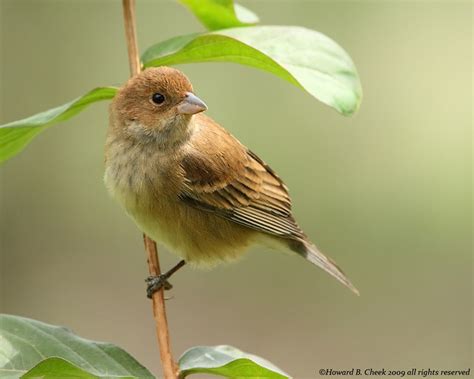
{"x":170,"y":368}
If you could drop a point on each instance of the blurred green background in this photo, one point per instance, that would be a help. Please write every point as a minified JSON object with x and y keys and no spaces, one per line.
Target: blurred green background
{"x":386,"y":193}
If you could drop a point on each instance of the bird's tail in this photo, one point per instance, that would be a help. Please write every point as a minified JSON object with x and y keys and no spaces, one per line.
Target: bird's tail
{"x":310,"y":252}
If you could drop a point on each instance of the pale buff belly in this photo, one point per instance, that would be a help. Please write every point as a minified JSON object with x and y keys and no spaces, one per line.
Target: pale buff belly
{"x":200,"y":237}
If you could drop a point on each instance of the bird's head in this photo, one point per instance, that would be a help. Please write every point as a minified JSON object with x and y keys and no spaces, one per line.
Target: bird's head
{"x":157,"y":102}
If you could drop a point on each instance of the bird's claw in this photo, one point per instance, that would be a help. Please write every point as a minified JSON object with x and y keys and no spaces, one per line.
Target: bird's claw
{"x":155,"y":283}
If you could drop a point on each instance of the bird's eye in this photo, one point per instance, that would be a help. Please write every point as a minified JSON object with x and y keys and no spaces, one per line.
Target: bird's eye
{"x":158,"y":98}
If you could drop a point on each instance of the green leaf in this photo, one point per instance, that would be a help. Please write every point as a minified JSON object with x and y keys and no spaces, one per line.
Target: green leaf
{"x":227,"y":361}
{"x":57,"y":368}
{"x":15,"y":135}
{"x":301,"y":56}
{"x":220,"y":14}
{"x":26,"y":343}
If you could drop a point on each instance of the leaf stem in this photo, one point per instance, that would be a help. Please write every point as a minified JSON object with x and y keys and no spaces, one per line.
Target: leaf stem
{"x":169,"y":366}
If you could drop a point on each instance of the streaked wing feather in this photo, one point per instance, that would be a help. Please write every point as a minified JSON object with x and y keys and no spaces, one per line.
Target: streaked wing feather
{"x":237,"y":185}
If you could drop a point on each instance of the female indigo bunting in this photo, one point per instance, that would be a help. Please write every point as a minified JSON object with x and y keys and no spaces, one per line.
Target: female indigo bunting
{"x":189,"y":184}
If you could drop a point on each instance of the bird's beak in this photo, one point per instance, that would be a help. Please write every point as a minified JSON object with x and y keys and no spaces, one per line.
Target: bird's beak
{"x":191,"y":105}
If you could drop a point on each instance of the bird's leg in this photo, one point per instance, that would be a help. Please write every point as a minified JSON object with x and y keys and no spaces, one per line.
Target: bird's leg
{"x":156,"y":282}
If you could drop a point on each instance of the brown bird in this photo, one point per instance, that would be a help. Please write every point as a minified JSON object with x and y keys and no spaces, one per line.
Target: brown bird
{"x":191,"y":185}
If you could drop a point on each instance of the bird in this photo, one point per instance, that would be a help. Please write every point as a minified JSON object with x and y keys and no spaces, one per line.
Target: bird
{"x":191,"y":185}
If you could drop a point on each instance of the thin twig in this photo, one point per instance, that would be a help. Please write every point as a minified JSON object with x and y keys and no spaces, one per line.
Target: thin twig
{"x":131,"y":35}
{"x":170,"y":368}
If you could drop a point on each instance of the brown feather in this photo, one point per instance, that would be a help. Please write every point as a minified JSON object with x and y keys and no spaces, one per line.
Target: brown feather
{"x":241,"y":187}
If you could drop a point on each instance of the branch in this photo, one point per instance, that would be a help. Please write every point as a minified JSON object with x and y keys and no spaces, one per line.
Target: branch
{"x":131,"y":36}
{"x":170,"y":368}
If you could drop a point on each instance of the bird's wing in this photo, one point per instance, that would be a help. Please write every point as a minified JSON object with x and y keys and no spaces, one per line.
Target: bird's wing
{"x":223,"y":176}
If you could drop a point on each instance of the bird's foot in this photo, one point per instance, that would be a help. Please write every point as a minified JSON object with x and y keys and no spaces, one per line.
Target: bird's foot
{"x":157,"y":282}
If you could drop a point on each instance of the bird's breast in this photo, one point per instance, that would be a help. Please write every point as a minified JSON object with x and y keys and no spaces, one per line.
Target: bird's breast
{"x":140,"y":177}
